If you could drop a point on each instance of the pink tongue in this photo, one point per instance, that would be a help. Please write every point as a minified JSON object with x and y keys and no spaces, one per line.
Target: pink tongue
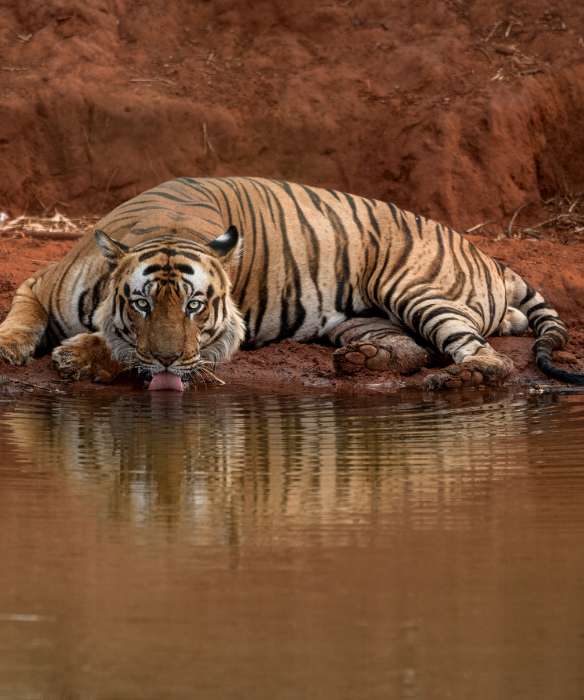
{"x":166,"y":381}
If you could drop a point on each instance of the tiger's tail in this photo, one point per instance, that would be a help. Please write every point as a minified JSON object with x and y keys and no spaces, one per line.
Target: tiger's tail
{"x":549,"y":329}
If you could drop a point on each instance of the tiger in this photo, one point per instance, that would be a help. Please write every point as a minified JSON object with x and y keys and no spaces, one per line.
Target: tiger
{"x":173,"y":281}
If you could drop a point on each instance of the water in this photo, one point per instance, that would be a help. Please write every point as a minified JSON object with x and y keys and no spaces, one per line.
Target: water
{"x":222,"y":545}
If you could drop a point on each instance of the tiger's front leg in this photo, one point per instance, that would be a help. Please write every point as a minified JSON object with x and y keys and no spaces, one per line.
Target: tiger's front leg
{"x":86,"y":356}
{"x":24,"y":327}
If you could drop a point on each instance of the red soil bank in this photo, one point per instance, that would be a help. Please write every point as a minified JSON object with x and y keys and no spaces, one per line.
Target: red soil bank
{"x":458,"y":109}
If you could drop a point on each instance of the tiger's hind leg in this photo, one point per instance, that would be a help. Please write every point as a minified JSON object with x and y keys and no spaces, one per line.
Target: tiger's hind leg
{"x":86,"y":356}
{"x":24,"y":327}
{"x":377,"y":345}
{"x":450,"y":329}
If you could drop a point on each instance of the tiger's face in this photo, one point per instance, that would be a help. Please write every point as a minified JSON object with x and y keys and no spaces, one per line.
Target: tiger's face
{"x":168,"y":308}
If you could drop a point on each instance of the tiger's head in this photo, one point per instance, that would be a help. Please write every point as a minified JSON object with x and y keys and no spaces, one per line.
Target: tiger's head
{"x":167,"y":309}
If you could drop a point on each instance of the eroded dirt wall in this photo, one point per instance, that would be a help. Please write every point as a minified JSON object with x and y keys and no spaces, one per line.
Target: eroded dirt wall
{"x":462,"y":110}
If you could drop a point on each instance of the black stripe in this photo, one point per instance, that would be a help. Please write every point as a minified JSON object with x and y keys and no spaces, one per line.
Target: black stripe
{"x":537,"y":307}
{"x":55,"y":331}
{"x":438,"y":325}
{"x":402,"y":259}
{"x":335,"y":194}
{"x":194,"y":185}
{"x":96,"y":299}
{"x":343,"y":301}
{"x":413,"y":297}
{"x":240,"y":291}
{"x":314,"y":198}
{"x":143,"y":207}
{"x":314,"y":255}
{"x":158,"y":251}
{"x":55,"y":294}
{"x":529,"y":294}
{"x":353,"y":207}
{"x":247,"y":341}
{"x":143,"y":231}
{"x":81,"y":307}
{"x":470,"y":275}
{"x":541,"y":319}
{"x":289,"y":322}
{"x":190,"y":256}
{"x":185,"y":202}
{"x":263,"y":293}
{"x":419,"y":224}
{"x":439,"y":310}
{"x":394,"y":211}
{"x":387,"y":297}
{"x":453,"y":337}
{"x":230,"y":217}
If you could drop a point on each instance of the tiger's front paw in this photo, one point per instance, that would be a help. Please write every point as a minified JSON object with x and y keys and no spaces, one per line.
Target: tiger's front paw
{"x":85,"y":356}
{"x":17,"y":347}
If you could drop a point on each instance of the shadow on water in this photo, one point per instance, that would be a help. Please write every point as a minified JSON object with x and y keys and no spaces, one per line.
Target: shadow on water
{"x":156,"y":545}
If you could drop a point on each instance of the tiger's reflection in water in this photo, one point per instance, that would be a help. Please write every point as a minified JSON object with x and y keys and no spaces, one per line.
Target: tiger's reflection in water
{"x":229,"y":465}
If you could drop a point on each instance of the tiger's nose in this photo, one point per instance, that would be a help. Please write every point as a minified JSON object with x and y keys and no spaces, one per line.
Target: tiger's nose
{"x":166,"y":359}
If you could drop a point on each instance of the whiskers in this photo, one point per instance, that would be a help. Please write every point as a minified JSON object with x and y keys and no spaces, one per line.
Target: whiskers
{"x":202,"y":371}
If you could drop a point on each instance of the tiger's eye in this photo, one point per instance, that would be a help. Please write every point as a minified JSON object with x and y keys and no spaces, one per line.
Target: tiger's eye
{"x":141,"y":304}
{"x":195,"y":306}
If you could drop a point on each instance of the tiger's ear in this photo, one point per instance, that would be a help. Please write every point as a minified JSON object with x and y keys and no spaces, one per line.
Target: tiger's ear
{"x":224,"y":245}
{"x":110,"y":249}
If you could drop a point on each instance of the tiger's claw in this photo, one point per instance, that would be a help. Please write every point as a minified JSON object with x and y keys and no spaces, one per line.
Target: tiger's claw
{"x":85,"y":356}
{"x":16,"y":348}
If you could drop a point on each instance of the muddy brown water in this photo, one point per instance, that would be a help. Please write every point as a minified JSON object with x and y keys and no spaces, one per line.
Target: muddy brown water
{"x":227,"y":545}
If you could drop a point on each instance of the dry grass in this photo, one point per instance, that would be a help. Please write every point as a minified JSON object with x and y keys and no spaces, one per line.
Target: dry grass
{"x":562,"y":220}
{"x":559,"y":218}
{"x":56,"y":227}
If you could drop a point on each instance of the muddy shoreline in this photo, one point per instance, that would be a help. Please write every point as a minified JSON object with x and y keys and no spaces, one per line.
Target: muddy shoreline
{"x":552,"y":267}
{"x":290,"y":367}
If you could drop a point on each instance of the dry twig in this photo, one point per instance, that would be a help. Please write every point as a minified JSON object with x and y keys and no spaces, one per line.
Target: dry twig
{"x":492,"y":32}
{"x":564,"y":218}
{"x":512,"y":221}
{"x":478,"y":226}
{"x":166,"y":81}
{"x":207,"y":145}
